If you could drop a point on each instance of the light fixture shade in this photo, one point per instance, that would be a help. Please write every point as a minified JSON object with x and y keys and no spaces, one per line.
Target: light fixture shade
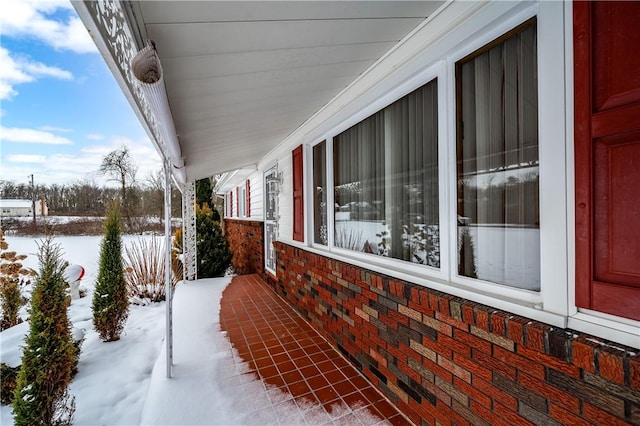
{"x":147,"y":70}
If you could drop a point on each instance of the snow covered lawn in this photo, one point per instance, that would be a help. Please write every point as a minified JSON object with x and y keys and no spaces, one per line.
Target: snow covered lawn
{"x":113,"y":381}
{"x":124,"y":382}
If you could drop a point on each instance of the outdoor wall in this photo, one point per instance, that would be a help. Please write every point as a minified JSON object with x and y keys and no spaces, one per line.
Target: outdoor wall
{"x":444,"y":359}
{"x":245,"y":239}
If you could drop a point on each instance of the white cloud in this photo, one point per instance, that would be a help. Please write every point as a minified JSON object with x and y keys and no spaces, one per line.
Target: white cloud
{"x":95,"y":137}
{"x":26,"y":158}
{"x":18,"y":135}
{"x":19,"y":69}
{"x":38,"y":69}
{"x":56,"y":129}
{"x":83,"y":164}
{"x":33,"y":19}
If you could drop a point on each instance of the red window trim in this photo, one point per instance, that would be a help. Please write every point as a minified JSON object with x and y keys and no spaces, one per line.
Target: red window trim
{"x":298,"y":194}
{"x":595,"y":290}
{"x":238,"y":201}
{"x":248,"y":198}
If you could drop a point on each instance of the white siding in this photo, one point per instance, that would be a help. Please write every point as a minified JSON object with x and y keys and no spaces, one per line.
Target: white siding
{"x":256,"y":187}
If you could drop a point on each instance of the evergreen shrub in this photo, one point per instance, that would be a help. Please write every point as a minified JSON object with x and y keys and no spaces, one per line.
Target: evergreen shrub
{"x":8,"y":377}
{"x":49,"y":355}
{"x":212,"y":249}
{"x":110,"y":300}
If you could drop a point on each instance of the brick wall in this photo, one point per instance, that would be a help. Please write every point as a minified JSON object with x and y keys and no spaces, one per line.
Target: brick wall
{"x":245,"y":239}
{"x":445,"y":360}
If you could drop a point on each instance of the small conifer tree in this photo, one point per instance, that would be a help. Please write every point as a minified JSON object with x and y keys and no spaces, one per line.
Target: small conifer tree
{"x":110,"y":301}
{"x":467,"y":255}
{"x":41,"y":396}
{"x":212,"y":248}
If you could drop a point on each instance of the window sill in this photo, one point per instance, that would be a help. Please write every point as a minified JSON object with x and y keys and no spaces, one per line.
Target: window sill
{"x":620,"y":330}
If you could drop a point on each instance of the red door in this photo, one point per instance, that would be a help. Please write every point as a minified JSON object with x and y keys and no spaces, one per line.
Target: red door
{"x":607,"y":155}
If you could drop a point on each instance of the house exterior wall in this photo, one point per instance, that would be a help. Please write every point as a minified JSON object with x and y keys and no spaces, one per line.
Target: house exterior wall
{"x":256,"y":197}
{"x":282,"y":159}
{"x":245,"y":239}
{"x":445,"y":359}
{"x":16,"y":208}
{"x":432,"y":53}
{"x":16,"y":211}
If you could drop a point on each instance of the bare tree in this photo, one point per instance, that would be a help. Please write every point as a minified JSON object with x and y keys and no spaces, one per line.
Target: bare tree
{"x":119,"y":166}
{"x":155,"y":192}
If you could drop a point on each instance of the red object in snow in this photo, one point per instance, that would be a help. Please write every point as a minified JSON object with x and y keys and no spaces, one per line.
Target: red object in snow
{"x":74,"y":273}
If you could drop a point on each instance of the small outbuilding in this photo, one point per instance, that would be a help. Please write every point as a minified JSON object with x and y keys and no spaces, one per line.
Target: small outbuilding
{"x":18,"y":208}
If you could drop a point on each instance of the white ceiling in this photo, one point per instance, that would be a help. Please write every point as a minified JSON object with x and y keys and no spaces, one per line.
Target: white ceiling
{"x":241,"y":76}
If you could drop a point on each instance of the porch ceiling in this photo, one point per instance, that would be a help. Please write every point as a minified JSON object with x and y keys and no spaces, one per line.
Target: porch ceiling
{"x":241,"y":76}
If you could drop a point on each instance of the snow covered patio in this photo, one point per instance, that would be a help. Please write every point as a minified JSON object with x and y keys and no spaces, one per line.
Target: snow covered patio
{"x":281,"y":372}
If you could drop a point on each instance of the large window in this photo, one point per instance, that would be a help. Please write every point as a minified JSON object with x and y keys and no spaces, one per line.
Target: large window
{"x":386,"y":181}
{"x":386,"y":190}
{"x":498,"y":163}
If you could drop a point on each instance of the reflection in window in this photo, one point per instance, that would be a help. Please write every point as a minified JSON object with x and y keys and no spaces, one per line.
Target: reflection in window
{"x":386,"y":181}
{"x":498,"y":163}
{"x":320,"y":193}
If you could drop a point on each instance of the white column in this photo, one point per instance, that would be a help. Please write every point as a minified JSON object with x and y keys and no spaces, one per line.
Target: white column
{"x":167,"y":263}
{"x":190,"y":265}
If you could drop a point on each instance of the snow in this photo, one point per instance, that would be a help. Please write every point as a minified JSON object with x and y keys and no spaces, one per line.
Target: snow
{"x":124,"y":382}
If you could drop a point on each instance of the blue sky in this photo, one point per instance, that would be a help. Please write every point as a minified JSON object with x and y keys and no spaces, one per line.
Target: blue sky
{"x":61,"y":110}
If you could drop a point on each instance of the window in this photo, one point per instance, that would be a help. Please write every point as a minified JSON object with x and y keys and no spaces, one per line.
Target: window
{"x":231,"y":203}
{"x":387,"y":189}
{"x":271,"y":189}
{"x":320,"y":193}
{"x":386,"y":181}
{"x":498,"y":163}
{"x":242,"y":201}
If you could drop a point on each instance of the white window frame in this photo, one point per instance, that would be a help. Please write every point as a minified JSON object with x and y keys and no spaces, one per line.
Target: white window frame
{"x":431,"y":73}
{"x":243,"y":201}
{"x":271,"y":170}
{"x":550,"y":304}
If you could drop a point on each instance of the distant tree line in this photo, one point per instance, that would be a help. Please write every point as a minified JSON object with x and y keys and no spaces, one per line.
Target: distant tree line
{"x":87,"y":198}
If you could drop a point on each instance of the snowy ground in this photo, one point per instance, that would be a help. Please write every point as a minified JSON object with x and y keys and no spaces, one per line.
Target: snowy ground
{"x":124,"y":382}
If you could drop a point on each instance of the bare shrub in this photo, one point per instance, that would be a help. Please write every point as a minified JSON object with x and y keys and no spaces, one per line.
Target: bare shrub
{"x":145,"y":271}
{"x":351,"y":239}
{"x":176,"y":255}
{"x":13,"y":278}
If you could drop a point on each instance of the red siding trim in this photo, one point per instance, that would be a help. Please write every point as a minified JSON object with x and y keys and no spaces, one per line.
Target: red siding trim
{"x":248,"y":198}
{"x":607,"y":142}
{"x":583,"y":165}
{"x":298,"y":203}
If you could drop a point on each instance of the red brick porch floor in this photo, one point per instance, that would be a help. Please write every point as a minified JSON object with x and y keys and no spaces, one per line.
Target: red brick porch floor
{"x":286,"y":353}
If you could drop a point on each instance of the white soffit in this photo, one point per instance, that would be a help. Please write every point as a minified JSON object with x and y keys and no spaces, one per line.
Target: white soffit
{"x":241,"y":76}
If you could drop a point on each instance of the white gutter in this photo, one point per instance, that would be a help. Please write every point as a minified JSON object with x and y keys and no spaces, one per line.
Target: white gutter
{"x":147,"y":69}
